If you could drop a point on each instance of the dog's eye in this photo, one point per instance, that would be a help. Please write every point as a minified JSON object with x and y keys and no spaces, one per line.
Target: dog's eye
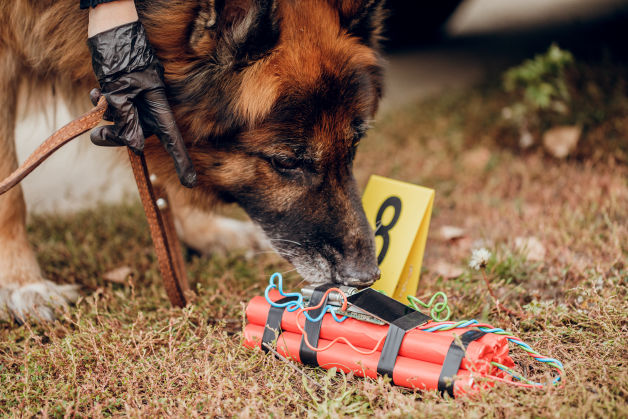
{"x":283,"y":163}
{"x":359,"y":130}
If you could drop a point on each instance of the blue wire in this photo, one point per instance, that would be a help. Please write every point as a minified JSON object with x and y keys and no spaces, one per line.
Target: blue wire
{"x":294,"y":305}
{"x":317,"y":318}
{"x":333,"y":314}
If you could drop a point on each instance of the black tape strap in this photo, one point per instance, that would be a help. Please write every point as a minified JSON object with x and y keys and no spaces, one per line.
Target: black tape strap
{"x":396,"y":332}
{"x":272,"y":329}
{"x":388,"y":358}
{"x":453,"y":359}
{"x":313,"y":329}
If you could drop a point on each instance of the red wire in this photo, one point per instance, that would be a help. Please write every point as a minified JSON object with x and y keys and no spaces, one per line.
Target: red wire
{"x":340,"y":338}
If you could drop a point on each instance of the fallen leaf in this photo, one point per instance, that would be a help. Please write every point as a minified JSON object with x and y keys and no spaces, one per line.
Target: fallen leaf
{"x":560,"y":141}
{"x":531,"y":247}
{"x":118,"y":275}
{"x":451,"y":233}
{"x":463,"y":245}
{"x":484,"y":242}
{"x":447,"y":270}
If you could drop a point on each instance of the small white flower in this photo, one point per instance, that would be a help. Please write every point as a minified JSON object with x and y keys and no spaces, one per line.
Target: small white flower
{"x":479,"y":258}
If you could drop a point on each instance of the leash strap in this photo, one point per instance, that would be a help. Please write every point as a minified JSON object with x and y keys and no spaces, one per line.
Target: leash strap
{"x":453,"y":359}
{"x":160,"y":221}
{"x":65,"y":134}
{"x":162,"y":231}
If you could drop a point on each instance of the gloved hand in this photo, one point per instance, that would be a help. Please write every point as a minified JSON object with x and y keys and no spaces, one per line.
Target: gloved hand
{"x":131,"y":79}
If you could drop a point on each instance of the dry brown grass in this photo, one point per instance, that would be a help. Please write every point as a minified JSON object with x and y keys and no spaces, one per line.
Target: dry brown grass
{"x":123,"y":351}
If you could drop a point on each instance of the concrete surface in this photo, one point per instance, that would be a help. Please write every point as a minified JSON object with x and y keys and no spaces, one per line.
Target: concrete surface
{"x":486,"y":16}
{"x":83,"y":175}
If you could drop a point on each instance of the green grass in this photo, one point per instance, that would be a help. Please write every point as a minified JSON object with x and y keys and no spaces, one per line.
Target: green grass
{"x":122,"y":350}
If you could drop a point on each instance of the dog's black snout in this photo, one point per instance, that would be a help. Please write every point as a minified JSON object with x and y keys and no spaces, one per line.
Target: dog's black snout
{"x":359,"y":276}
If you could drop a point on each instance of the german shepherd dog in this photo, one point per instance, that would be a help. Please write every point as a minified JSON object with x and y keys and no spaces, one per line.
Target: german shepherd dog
{"x":271,"y":96}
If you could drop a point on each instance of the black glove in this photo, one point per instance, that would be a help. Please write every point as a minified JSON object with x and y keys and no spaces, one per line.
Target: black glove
{"x":131,"y":79}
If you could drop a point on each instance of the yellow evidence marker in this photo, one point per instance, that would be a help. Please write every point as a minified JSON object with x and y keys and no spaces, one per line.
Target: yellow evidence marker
{"x":399,"y":213}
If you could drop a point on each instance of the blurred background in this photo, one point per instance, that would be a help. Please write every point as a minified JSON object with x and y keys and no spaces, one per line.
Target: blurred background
{"x":453,"y":43}
{"x":432,"y":48}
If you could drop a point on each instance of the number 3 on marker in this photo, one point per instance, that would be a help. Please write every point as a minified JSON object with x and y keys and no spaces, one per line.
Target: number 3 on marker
{"x":383,"y":229}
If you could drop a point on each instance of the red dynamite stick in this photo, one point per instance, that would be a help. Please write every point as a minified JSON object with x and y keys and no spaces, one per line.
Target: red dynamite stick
{"x":423,"y":346}
{"x":498,"y":343}
{"x":408,"y":372}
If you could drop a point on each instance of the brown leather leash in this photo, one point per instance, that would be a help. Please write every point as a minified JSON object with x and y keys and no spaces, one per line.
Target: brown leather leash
{"x":154,"y":201}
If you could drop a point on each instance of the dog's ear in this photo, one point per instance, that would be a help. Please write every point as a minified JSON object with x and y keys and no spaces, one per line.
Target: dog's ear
{"x":237,"y":31}
{"x":363,"y":19}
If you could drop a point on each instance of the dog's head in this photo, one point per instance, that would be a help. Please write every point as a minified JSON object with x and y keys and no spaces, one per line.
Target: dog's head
{"x":273,"y":98}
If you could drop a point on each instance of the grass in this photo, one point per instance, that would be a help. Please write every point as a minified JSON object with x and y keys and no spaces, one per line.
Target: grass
{"x":122,"y":350}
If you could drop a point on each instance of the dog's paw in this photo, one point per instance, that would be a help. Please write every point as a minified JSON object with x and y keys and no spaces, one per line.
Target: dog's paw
{"x":214,"y":234}
{"x":35,"y":301}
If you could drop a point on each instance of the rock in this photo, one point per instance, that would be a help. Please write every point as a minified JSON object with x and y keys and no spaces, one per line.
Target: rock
{"x":448,"y":233}
{"x":507,"y":112}
{"x":560,"y":141}
{"x":526,"y":140}
{"x":531,"y":247}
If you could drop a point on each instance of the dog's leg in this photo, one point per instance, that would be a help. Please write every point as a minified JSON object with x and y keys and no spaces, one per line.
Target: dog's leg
{"x":23,"y":291}
{"x":211,"y":233}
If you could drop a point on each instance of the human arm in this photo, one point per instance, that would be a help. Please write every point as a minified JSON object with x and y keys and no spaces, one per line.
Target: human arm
{"x":106,"y":15}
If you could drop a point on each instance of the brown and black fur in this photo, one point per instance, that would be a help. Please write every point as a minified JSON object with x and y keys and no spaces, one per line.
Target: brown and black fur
{"x":272,"y":98}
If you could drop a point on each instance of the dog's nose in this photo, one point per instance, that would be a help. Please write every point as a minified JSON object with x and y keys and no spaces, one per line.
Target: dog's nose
{"x":359,"y":276}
